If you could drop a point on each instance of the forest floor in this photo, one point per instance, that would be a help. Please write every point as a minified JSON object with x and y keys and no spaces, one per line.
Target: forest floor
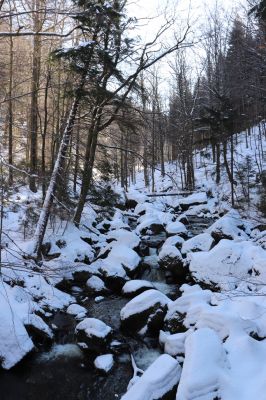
{"x":176,"y":282}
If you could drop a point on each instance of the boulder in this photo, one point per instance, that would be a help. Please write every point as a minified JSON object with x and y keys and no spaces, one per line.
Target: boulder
{"x":201,"y":242}
{"x":104,"y":363}
{"x":176,"y":228}
{"x":94,"y":333}
{"x":145,"y":312}
{"x":135,"y":287}
{"x":194,"y":199}
{"x":77,"y":311}
{"x":159,"y":381}
{"x":95,"y":285}
{"x":171,"y":259}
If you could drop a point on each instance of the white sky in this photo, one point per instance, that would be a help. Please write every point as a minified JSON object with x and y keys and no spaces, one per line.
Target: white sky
{"x":197,"y":10}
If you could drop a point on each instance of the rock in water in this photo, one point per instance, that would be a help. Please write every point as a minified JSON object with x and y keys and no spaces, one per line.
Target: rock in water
{"x":95,"y":333}
{"x":104,"y":363}
{"x":145,"y":312}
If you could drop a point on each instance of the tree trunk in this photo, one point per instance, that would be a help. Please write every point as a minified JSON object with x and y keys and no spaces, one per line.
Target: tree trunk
{"x":59,"y":165}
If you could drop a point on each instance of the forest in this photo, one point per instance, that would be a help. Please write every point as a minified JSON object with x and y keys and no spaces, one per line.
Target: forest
{"x":132,"y":199}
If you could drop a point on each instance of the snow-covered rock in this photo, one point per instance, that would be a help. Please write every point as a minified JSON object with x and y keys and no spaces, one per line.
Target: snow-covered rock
{"x":135,"y":287}
{"x":124,"y":237}
{"x":204,"y":361}
{"x":95,"y":333}
{"x":230,"y":265}
{"x":201,"y":242}
{"x":176,"y":228}
{"x":158,"y":381}
{"x":145,"y":312}
{"x":171,"y":259}
{"x":78,"y":311}
{"x":193,"y":200}
{"x":175,"y":240}
{"x":230,"y":226}
{"x":173,"y":344}
{"x":104,"y":363}
{"x":96,"y":285}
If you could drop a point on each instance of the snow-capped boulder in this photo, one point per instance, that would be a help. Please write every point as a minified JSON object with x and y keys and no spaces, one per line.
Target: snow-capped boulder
{"x":203,"y":365}
{"x":135,"y":287}
{"x":123,"y":237}
{"x":15,"y":342}
{"x":38,"y":330}
{"x":158,"y":382}
{"x":174,"y":345}
{"x":193,"y":200}
{"x":171,"y":259}
{"x":175,"y":240}
{"x":145,"y":312}
{"x":230,"y":265}
{"x":95,"y":333}
{"x":230,"y":226}
{"x":104,"y":363}
{"x":113,"y":274}
{"x":95,"y":285}
{"x":201,"y":242}
{"x":77,"y":311}
{"x":176,"y":228}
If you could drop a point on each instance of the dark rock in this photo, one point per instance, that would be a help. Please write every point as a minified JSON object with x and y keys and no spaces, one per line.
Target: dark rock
{"x":61,"y":243}
{"x":147,"y":309}
{"x":95,"y":334}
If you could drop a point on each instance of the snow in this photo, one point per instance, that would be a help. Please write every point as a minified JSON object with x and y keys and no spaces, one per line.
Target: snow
{"x":204,"y":361}
{"x":143,"y":302}
{"x":201,"y":242}
{"x":175,"y":240}
{"x":78,"y":311}
{"x":94,"y":327}
{"x":104,"y":363}
{"x":159,"y":379}
{"x":96,"y":284}
{"x":176,"y":228}
{"x":135,"y":285}
{"x":195,"y":198}
{"x":173,"y":344}
{"x":124,"y":237}
{"x":230,"y":265}
{"x":231,"y":226}
{"x":168,"y":251}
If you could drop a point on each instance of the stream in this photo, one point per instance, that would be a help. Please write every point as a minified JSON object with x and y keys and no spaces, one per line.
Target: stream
{"x":62,"y":372}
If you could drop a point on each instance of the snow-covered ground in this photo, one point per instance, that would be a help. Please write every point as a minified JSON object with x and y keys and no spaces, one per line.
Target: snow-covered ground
{"x":213,"y":332}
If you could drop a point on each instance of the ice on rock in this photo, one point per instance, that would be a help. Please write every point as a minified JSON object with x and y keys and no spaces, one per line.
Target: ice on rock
{"x":203,"y":365}
{"x":160,"y":379}
{"x":104,"y":363}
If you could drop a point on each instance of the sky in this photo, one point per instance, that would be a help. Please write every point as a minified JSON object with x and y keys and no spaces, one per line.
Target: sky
{"x":195,"y":11}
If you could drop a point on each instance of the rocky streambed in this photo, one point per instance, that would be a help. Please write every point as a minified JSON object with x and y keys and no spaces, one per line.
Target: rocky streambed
{"x":116,"y":314}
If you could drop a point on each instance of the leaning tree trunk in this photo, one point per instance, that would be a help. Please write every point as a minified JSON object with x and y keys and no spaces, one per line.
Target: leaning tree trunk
{"x":59,"y":165}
